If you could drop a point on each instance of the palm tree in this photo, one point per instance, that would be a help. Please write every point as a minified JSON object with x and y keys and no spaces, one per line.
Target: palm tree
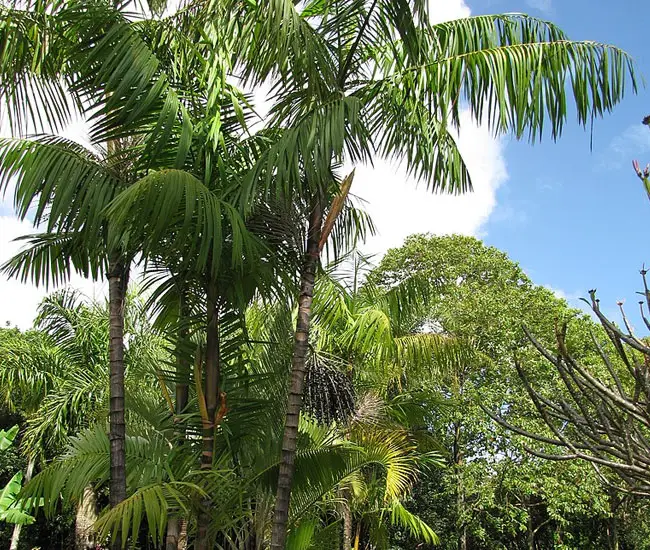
{"x":70,"y":56}
{"x":353,"y":80}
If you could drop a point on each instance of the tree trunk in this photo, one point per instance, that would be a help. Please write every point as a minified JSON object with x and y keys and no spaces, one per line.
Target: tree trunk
{"x":612,"y":533}
{"x":117,"y":283}
{"x":298,"y":367}
{"x":173,"y":533}
{"x":15,"y":536}
{"x":530,"y":531}
{"x":211,"y":400}
{"x":347,"y":521}
{"x":182,"y":537}
{"x":85,"y":521}
{"x":173,"y":537}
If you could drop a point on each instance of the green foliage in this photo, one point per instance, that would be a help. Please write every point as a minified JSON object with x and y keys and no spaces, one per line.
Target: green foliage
{"x":12,"y":510}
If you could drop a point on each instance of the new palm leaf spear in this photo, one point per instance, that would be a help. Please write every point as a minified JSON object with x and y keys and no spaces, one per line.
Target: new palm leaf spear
{"x":351,"y":80}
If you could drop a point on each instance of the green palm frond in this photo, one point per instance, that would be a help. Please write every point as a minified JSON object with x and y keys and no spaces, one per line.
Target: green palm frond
{"x":30,"y":67}
{"x":199,"y":220}
{"x":29,"y":367}
{"x":152,"y":503}
{"x":117,"y":72}
{"x":400,"y":516}
{"x":513,"y":71}
{"x":51,"y":258}
{"x":432,"y":353}
{"x":86,"y":461}
{"x":58,"y":182}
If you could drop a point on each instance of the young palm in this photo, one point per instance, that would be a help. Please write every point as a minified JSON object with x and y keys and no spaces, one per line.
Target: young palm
{"x":57,"y":375}
{"x":353,"y":80}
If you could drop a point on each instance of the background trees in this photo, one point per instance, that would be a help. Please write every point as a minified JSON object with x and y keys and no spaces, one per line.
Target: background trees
{"x":493,"y":494}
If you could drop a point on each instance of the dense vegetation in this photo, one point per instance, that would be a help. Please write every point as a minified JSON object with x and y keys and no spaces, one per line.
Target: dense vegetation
{"x":262,"y":386}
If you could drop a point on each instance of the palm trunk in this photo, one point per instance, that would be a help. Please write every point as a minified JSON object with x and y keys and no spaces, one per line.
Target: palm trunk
{"x":357,"y":537}
{"x":175,"y":523}
{"x":117,"y":283}
{"x":15,"y":536}
{"x":182,"y":537}
{"x":173,"y":533}
{"x":298,"y":367}
{"x":347,"y":521}
{"x":211,"y":399}
{"x":85,"y":520}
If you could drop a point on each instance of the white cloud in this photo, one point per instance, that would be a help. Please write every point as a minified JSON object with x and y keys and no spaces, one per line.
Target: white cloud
{"x":635,"y":140}
{"x":545,"y":6}
{"x":18,"y":301}
{"x":448,"y":10}
{"x":400,"y":209}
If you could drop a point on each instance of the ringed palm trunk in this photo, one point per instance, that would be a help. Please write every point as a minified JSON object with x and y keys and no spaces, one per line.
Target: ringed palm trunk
{"x":347,"y":520}
{"x":211,"y":400}
{"x":298,"y":367}
{"x":175,"y":523}
{"x":117,"y":283}
{"x":85,"y":520}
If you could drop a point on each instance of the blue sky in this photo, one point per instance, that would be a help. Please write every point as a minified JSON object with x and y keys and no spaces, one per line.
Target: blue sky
{"x":575,"y":218}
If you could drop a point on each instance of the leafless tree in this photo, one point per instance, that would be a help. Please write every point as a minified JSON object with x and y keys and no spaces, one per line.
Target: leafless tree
{"x":603,"y":419}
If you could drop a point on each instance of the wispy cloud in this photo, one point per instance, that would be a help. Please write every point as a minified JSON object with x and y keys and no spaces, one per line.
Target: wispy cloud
{"x":633,"y":143}
{"x":545,"y":6}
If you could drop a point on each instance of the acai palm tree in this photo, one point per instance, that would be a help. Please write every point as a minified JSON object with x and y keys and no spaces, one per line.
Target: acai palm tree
{"x":356,"y":80}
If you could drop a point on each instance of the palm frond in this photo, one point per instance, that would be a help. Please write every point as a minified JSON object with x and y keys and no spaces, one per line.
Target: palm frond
{"x":51,"y":258}
{"x":43,"y":169}
{"x":176,"y":208}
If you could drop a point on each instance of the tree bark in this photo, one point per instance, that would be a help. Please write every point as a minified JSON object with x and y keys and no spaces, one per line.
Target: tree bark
{"x":298,"y":368}
{"x":211,"y":400}
{"x":173,"y":537}
{"x":85,"y":520}
{"x":173,"y":533}
{"x":117,"y":283}
{"x":530,"y":531}
{"x":15,"y":536}
{"x":347,"y":521}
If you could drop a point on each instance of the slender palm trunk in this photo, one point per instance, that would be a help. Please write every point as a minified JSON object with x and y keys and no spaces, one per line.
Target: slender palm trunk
{"x":175,"y":523}
{"x":15,"y":536}
{"x":173,"y":533}
{"x":85,"y":520}
{"x":357,"y":536}
{"x":211,"y":400}
{"x":347,"y":520}
{"x":298,"y":367}
{"x":117,"y":283}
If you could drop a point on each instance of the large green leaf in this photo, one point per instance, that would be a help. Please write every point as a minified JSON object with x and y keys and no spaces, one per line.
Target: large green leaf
{"x":7,"y":437}
{"x":10,"y":507}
